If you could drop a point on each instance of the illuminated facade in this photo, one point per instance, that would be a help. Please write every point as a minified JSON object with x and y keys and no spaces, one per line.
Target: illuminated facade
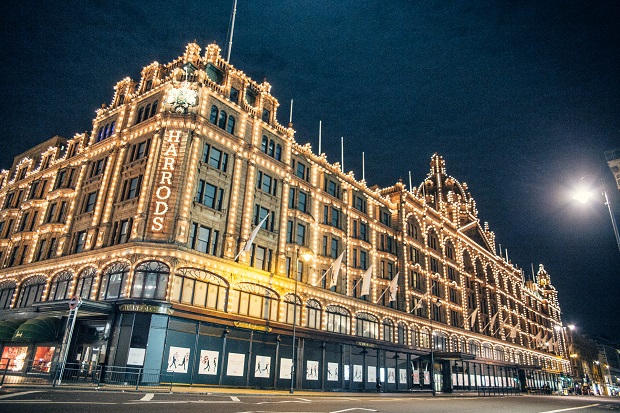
{"x":143,"y":219}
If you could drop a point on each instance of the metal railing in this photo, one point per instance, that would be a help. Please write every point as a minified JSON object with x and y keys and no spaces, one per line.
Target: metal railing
{"x":33,"y":372}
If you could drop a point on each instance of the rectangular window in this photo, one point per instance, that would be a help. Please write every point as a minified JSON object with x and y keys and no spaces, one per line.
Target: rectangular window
{"x":261,"y":258}
{"x":260,"y":213}
{"x":301,"y":201}
{"x":22,"y":224}
{"x":234,"y":95}
{"x":332,"y":188}
{"x":204,"y":239}
{"x":302,"y":171}
{"x":289,"y":232}
{"x":363,"y":260}
{"x":62,"y":214}
{"x":301,"y":234}
{"x":266,"y":183}
{"x":41,"y":251}
{"x":80,"y":241}
{"x":131,"y":188}
{"x":359,"y":203}
{"x":51,"y":252}
{"x":89,"y":205}
{"x":334,"y":248}
{"x":209,"y":195}
{"x":363,"y":233}
{"x":385,"y":218}
{"x":121,"y":231}
{"x":215,"y":157}
{"x":33,"y":221}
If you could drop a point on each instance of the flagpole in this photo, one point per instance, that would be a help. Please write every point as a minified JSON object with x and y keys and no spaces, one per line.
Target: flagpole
{"x":363,"y":167}
{"x":342,"y":154}
{"x":410,"y":185}
{"x":320,"y":128}
{"x":232,"y":30}
{"x":290,"y":116}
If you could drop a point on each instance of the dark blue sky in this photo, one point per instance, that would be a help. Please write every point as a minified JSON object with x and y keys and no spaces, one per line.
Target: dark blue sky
{"x":521,"y":98}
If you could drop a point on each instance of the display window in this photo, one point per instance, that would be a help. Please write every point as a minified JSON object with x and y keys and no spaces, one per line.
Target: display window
{"x":15,"y":356}
{"x":42,"y":359}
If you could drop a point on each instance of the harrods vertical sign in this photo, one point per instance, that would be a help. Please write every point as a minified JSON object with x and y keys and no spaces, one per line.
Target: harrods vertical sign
{"x":166,"y":185}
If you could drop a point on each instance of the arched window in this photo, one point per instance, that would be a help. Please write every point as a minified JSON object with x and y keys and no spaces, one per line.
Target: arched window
{"x":473,"y":348}
{"x":450,"y":254}
{"x":338,"y":319}
{"x":150,"y":280}
{"x":490,"y":277}
{"x":264,"y":144}
{"x":366,"y":325}
{"x":401,"y":336}
{"x":139,"y":117}
{"x":222,"y":120}
{"x":31,"y":291}
{"x":106,"y":132}
{"x":479,"y":270}
{"x":467,"y":263}
{"x":271,"y":149}
{"x":292,"y":305}
{"x":424,"y":341}
{"x":463,"y":345}
{"x":114,"y":281}
{"x":388,"y":330}
{"x":413,"y":228}
{"x":213,"y":116}
{"x":85,"y":283}
{"x":199,"y":288}
{"x":415,"y":336}
{"x":313,"y":314}
{"x":112,"y":127}
{"x":499,"y":354}
{"x":432,"y":240}
{"x":7,"y":289}
{"x":230,"y":126}
{"x":278,"y":154}
{"x":487,"y":351}
{"x":439,"y":341}
{"x":59,"y":288}
{"x":255,"y":301}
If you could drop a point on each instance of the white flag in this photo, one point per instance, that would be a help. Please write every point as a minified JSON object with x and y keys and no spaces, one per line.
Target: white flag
{"x":335,"y":270}
{"x":248,"y":243}
{"x":366,"y":282}
{"x":492,"y":320}
{"x":513,"y":331}
{"x":418,"y":305}
{"x":472,"y":317}
{"x":393,"y":288}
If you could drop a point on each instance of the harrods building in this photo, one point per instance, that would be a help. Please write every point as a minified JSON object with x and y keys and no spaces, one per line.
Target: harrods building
{"x":143,"y":218}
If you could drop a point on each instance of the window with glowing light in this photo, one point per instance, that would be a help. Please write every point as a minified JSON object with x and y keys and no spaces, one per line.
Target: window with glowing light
{"x":85,"y":283}
{"x":199,"y":288}
{"x":313,"y":314}
{"x":60,"y":286}
{"x":292,"y":304}
{"x":338,"y":319}
{"x":366,"y":325}
{"x":388,"y":330}
{"x":204,"y":239}
{"x":150,"y":280}
{"x":255,"y":301}
{"x":31,"y":291}
{"x":7,"y":290}
{"x":114,"y":281}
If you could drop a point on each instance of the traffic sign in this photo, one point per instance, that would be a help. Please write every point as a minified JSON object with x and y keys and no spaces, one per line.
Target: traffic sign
{"x":75,"y":302}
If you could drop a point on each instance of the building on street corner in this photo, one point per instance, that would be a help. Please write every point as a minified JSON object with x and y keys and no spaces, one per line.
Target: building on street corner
{"x":152,"y":220}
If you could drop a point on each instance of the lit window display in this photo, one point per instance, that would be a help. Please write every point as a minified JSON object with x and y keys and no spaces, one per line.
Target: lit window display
{"x":42,"y":360}
{"x":15,"y":356}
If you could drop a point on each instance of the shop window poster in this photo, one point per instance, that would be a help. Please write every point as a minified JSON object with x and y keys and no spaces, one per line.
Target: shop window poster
{"x":416,"y":377}
{"x":372,"y":374}
{"x":235,"y":364}
{"x":332,"y":371}
{"x":402,"y":376}
{"x":391,"y":375}
{"x":312,"y":370}
{"x":17,"y":355}
{"x":208,"y":362}
{"x":286,"y":366}
{"x":178,"y":359}
{"x":427,"y":377}
{"x":261,"y":368}
{"x":357,"y":373}
{"x":346,"y":373}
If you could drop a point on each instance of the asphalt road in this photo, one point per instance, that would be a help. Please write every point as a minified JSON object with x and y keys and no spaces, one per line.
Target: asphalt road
{"x":15,"y":400}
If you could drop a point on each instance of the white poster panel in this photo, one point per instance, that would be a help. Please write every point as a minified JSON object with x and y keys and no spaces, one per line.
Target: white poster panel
{"x":454,"y":379}
{"x":372,"y":374}
{"x":346,"y":372}
{"x":427,"y":377}
{"x":460,"y":379}
{"x":466,"y":382}
{"x":178,"y":359}
{"x":381,"y":375}
{"x":235,"y":365}
{"x":208,"y":362}
{"x":402,"y":376}
{"x":416,"y":377}
{"x":391,"y":375}
{"x":332,"y":371}
{"x":357,"y":373}
{"x":136,"y":356}
{"x":312,"y":370}
{"x":286,"y":366}
{"x":261,"y":368}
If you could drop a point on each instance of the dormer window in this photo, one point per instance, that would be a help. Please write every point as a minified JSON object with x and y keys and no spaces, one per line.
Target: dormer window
{"x":215,"y":75}
{"x":266,"y":116}
{"x":250,"y":97}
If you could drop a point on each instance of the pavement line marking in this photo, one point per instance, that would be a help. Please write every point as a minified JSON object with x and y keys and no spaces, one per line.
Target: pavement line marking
{"x":354,"y":408}
{"x":572,"y":408}
{"x":305,"y":400}
{"x":147,"y":397}
{"x":284,"y":401}
{"x":49,"y":402}
{"x":234,"y":398}
{"x":21,"y":393}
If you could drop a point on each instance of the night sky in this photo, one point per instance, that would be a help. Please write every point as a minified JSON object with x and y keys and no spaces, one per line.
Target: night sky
{"x":521,"y":98}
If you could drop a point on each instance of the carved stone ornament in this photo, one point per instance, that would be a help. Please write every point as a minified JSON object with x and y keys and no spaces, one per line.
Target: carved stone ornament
{"x":182,"y":98}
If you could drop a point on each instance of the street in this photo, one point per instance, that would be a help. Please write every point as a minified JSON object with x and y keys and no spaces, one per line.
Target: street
{"x":60,"y":400}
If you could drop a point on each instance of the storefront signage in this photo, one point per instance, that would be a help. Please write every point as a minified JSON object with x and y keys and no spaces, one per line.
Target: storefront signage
{"x":163,"y":185}
{"x":250,"y":326}
{"x":363,"y":344}
{"x":145,"y":308}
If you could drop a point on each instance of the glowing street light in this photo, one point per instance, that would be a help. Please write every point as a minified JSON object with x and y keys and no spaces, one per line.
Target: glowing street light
{"x":583,"y":195}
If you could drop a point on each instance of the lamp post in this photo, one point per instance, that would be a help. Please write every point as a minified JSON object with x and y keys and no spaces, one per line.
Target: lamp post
{"x":583,"y":195}
{"x":306,"y":255}
{"x":438,"y":304}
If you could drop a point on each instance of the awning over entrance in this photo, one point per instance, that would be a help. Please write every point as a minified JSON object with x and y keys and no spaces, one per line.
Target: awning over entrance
{"x":7,"y":329}
{"x":39,"y":329}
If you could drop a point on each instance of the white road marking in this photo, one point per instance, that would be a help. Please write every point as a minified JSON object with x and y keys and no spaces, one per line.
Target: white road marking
{"x":234,"y":398}
{"x":354,"y":408}
{"x":50,"y":402}
{"x":572,"y":408}
{"x":147,"y":397}
{"x":21,"y":393}
{"x":285,"y":401}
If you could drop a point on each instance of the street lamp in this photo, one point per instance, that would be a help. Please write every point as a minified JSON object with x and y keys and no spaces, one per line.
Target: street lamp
{"x":583,"y":195}
{"x":306,"y":254}
{"x":438,"y":304}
